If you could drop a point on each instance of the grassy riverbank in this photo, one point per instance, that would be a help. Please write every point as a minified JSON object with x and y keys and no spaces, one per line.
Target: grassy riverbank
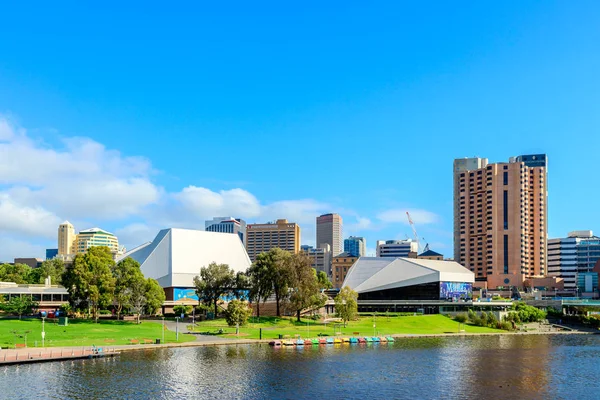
{"x":82,"y":333}
{"x":272,"y":327}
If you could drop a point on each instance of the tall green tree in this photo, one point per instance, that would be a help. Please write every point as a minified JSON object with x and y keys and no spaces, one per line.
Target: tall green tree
{"x":281,"y":275}
{"x":20,"y":305}
{"x":346,"y":304}
{"x":154,"y":295}
{"x":261,"y":282}
{"x":17,"y":273}
{"x":90,"y":279}
{"x":128,"y":279}
{"x":241,"y":286}
{"x":305,"y":289}
{"x":50,"y":268}
{"x":324,"y":282}
{"x":214,"y":281}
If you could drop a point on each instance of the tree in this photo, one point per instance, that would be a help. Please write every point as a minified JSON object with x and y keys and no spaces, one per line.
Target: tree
{"x":17,"y":273}
{"x":214,"y":281}
{"x":19,"y":305}
{"x":154,"y":295}
{"x":346,"y":304}
{"x":261,"y":283}
{"x":324,"y":282}
{"x":305,"y":291}
{"x":50,"y":268}
{"x":128,"y":278}
{"x":237,"y":313}
{"x":241,"y":284}
{"x":90,"y":279}
{"x":182,"y":309}
{"x":280,"y":274}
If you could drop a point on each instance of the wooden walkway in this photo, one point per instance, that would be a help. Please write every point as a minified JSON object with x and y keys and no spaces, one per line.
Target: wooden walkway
{"x":35,"y":355}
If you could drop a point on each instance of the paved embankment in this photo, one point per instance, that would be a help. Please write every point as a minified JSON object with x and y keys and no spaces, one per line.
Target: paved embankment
{"x":35,"y":355}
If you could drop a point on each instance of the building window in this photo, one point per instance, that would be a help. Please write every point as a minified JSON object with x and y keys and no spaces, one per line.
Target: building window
{"x":506,"y":253}
{"x":505,"y":205}
{"x":505,"y":177}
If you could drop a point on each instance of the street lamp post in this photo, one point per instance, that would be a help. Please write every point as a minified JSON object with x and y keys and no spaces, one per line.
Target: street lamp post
{"x":177,"y":328}
{"x":163,"y":331}
{"x":43,"y":332}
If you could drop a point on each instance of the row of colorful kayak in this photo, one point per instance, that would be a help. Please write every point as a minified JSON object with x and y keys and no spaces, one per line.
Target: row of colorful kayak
{"x":330,"y":340}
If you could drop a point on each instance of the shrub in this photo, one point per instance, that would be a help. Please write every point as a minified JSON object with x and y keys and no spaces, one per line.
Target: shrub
{"x":505,"y":325}
{"x":461,"y":318}
{"x":237,"y":312}
{"x":105,"y":312}
{"x":492,"y":320}
{"x":471,"y":315}
{"x":483,"y":319}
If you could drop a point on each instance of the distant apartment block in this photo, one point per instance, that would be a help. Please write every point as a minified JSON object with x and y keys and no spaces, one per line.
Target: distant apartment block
{"x":355,"y":246}
{"x":340,"y":265}
{"x":397,"y":248}
{"x":71,"y":244}
{"x":329,"y":230}
{"x":227,"y":225}
{"x":500,"y":219}
{"x":574,"y":257}
{"x":96,"y":237}
{"x":320,"y":257}
{"x":264,"y":237}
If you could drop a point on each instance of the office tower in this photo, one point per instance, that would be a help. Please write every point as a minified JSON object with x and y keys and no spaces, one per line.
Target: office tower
{"x":96,"y":237}
{"x":66,"y":238}
{"x":574,"y":257}
{"x":355,"y":246}
{"x":51,"y":253}
{"x":329,"y":230}
{"x":397,"y":248}
{"x":340,"y":266}
{"x":320,"y":257}
{"x":264,"y":237}
{"x":227,"y":225}
{"x":500,"y":219}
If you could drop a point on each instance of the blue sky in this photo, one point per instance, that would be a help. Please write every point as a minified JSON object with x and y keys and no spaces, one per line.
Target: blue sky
{"x":141,"y":116}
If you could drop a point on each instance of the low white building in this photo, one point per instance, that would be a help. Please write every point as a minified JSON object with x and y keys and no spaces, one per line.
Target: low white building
{"x":390,"y":279}
{"x":175,"y":257}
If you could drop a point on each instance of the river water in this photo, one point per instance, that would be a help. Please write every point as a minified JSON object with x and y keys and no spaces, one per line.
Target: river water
{"x":484,"y":367}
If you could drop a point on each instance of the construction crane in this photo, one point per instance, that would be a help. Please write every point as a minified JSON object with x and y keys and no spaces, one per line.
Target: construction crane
{"x":420,"y":248}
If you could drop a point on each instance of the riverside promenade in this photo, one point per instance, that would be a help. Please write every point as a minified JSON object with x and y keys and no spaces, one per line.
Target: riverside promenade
{"x":36,"y":354}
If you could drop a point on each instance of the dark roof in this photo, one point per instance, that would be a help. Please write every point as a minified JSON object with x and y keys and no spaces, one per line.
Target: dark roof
{"x":430,"y":253}
{"x":345,"y":255}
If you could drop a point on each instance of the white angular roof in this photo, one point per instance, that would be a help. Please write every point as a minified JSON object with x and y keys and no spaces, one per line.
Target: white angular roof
{"x":370,"y":274}
{"x":175,"y":256}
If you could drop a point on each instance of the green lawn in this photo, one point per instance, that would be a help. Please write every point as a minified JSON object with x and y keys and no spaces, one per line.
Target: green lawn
{"x":82,"y":333}
{"x":272,"y":327}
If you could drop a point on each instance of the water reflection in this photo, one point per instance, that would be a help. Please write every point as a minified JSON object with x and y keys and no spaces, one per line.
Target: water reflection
{"x":533,"y":366}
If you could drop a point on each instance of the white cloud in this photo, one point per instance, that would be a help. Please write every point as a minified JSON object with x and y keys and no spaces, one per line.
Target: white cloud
{"x":82,"y":179}
{"x":203,"y":203}
{"x":419,"y":217}
{"x":24,"y":220}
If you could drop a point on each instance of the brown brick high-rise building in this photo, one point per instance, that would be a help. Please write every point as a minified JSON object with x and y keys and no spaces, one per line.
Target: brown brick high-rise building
{"x":264,"y":237}
{"x":500,"y":219}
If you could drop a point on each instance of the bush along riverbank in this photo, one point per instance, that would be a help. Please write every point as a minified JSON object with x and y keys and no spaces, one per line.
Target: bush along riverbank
{"x":518,"y":314}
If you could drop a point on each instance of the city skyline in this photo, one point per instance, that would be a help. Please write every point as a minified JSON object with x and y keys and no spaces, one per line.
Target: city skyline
{"x":259,"y":97}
